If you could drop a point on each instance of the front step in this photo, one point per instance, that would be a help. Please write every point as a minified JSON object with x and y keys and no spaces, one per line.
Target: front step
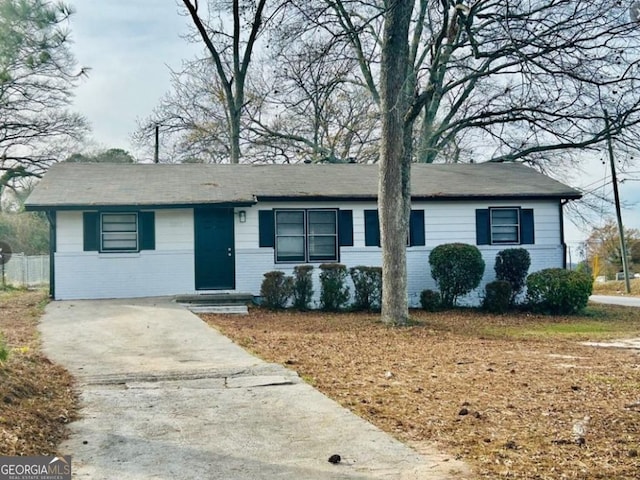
{"x":221,"y":309}
{"x":216,"y":299}
{"x":216,"y":302}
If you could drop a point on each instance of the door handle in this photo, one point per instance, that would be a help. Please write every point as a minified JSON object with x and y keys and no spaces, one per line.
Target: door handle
{"x":229,"y":251}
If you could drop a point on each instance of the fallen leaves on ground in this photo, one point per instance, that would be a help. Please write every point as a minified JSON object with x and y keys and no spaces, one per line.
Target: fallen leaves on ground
{"x":505,"y":405}
{"x":37,"y":399}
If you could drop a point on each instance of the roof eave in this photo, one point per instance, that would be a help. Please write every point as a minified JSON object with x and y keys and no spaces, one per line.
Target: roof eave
{"x":33,"y":207}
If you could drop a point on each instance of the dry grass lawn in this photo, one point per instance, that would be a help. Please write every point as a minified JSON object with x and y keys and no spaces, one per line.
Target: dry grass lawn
{"x":499,"y":392}
{"x":37,"y":399}
{"x":617,"y":288}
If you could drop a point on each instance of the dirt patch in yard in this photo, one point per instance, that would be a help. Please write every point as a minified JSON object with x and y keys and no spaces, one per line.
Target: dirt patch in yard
{"x":499,"y":392}
{"x":37,"y":399}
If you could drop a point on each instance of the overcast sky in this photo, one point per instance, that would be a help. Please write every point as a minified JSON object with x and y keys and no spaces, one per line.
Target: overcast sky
{"x":130,"y":45}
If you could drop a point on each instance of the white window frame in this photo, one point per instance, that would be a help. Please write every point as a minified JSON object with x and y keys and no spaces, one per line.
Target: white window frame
{"x":517,"y":225}
{"x":306,"y":257}
{"x":114,"y":233}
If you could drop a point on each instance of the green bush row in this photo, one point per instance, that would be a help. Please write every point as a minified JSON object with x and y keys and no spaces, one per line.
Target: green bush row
{"x":278,"y":290}
{"x":458,"y":268}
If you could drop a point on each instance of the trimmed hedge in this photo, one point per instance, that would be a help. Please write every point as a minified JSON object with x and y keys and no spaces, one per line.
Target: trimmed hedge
{"x":457,"y":269}
{"x":497,"y":296}
{"x":334,"y":293}
{"x":276,"y":290}
{"x":430,"y":300}
{"x":512,"y":265}
{"x":302,"y":290}
{"x":367,"y":285}
{"x":557,"y":291}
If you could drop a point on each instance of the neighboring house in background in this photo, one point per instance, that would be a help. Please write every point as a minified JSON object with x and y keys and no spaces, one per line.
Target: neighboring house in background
{"x":151,"y":230}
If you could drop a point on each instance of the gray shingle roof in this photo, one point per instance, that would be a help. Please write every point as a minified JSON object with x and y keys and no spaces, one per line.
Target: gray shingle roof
{"x":69,"y":185}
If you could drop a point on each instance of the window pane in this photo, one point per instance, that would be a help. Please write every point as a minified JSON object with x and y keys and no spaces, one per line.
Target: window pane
{"x":289,"y":223}
{"x":504,"y":234}
{"x":290,"y":249}
{"x":119,"y":241}
{"x":322,"y":248}
{"x":322,"y":222}
{"x":118,"y":227}
{"x":119,"y":231}
{"x":504,"y":216}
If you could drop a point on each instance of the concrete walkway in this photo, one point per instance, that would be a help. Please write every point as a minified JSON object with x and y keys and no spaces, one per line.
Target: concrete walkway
{"x":164,"y":396}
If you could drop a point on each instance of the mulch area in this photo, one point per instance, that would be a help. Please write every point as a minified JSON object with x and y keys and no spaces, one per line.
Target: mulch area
{"x":503,"y":404}
{"x":37,"y":398}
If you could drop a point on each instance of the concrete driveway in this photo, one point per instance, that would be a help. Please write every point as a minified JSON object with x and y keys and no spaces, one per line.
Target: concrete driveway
{"x":164,"y":396}
{"x":616,"y":300}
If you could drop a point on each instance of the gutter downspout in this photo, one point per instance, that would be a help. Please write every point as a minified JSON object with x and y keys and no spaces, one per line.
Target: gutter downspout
{"x":51,"y":216}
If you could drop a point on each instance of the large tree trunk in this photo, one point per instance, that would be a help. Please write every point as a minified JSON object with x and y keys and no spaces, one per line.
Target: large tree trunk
{"x":394,"y":191}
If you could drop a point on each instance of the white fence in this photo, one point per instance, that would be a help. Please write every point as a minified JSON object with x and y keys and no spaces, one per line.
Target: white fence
{"x":26,"y":271}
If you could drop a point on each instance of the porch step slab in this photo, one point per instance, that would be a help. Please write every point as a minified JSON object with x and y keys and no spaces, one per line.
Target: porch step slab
{"x":222,"y":309}
{"x":216,"y":299}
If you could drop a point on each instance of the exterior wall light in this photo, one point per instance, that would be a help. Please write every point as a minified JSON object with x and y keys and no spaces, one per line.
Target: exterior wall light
{"x":242,"y":216}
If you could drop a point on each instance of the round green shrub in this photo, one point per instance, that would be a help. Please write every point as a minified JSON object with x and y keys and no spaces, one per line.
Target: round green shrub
{"x":430,"y":300}
{"x":276,"y":290}
{"x":557,"y":291}
{"x":497,"y":296}
{"x":512,"y":265}
{"x":457,"y":269}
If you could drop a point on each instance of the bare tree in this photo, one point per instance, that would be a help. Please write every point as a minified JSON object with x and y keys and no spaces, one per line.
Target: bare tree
{"x":192,"y":118}
{"x":37,"y":76}
{"x":231,"y":52}
{"x":310,"y":108}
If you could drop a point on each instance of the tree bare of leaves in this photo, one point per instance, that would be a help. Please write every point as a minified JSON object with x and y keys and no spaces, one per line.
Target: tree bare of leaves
{"x":231,"y":52}
{"x":192,"y":118}
{"x":523,"y":80}
{"x":37,"y":76}
{"x":308,"y":107}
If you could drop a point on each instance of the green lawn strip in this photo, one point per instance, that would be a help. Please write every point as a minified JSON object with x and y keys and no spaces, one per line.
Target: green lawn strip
{"x":598,"y":322}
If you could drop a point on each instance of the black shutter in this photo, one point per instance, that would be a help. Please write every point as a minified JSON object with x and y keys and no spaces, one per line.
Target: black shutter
{"x":371,"y":228}
{"x":416,"y":228}
{"x":91,"y":231}
{"x":266,"y":226}
{"x":483,"y":227}
{"x":527,"y":234}
{"x":147,"y":230}
{"x":345,"y":228}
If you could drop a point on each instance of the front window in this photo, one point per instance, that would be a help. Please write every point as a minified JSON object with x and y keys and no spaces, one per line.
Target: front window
{"x":306,"y":235}
{"x":119,"y":232}
{"x":505,"y":225}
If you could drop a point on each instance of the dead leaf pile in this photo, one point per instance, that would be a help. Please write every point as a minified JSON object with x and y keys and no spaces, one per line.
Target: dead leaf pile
{"x":504,"y":405}
{"x":37,"y":398}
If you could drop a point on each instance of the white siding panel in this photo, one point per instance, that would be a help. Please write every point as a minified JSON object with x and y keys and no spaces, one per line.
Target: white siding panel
{"x":167,"y":270}
{"x":174,"y":229}
{"x":146,"y":274}
{"x":69,"y":232}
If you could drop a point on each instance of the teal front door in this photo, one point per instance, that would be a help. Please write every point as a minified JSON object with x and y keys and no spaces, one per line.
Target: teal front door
{"x":214,"y":249}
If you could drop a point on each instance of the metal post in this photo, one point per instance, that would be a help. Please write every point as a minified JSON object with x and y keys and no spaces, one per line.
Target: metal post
{"x":616,"y":197}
